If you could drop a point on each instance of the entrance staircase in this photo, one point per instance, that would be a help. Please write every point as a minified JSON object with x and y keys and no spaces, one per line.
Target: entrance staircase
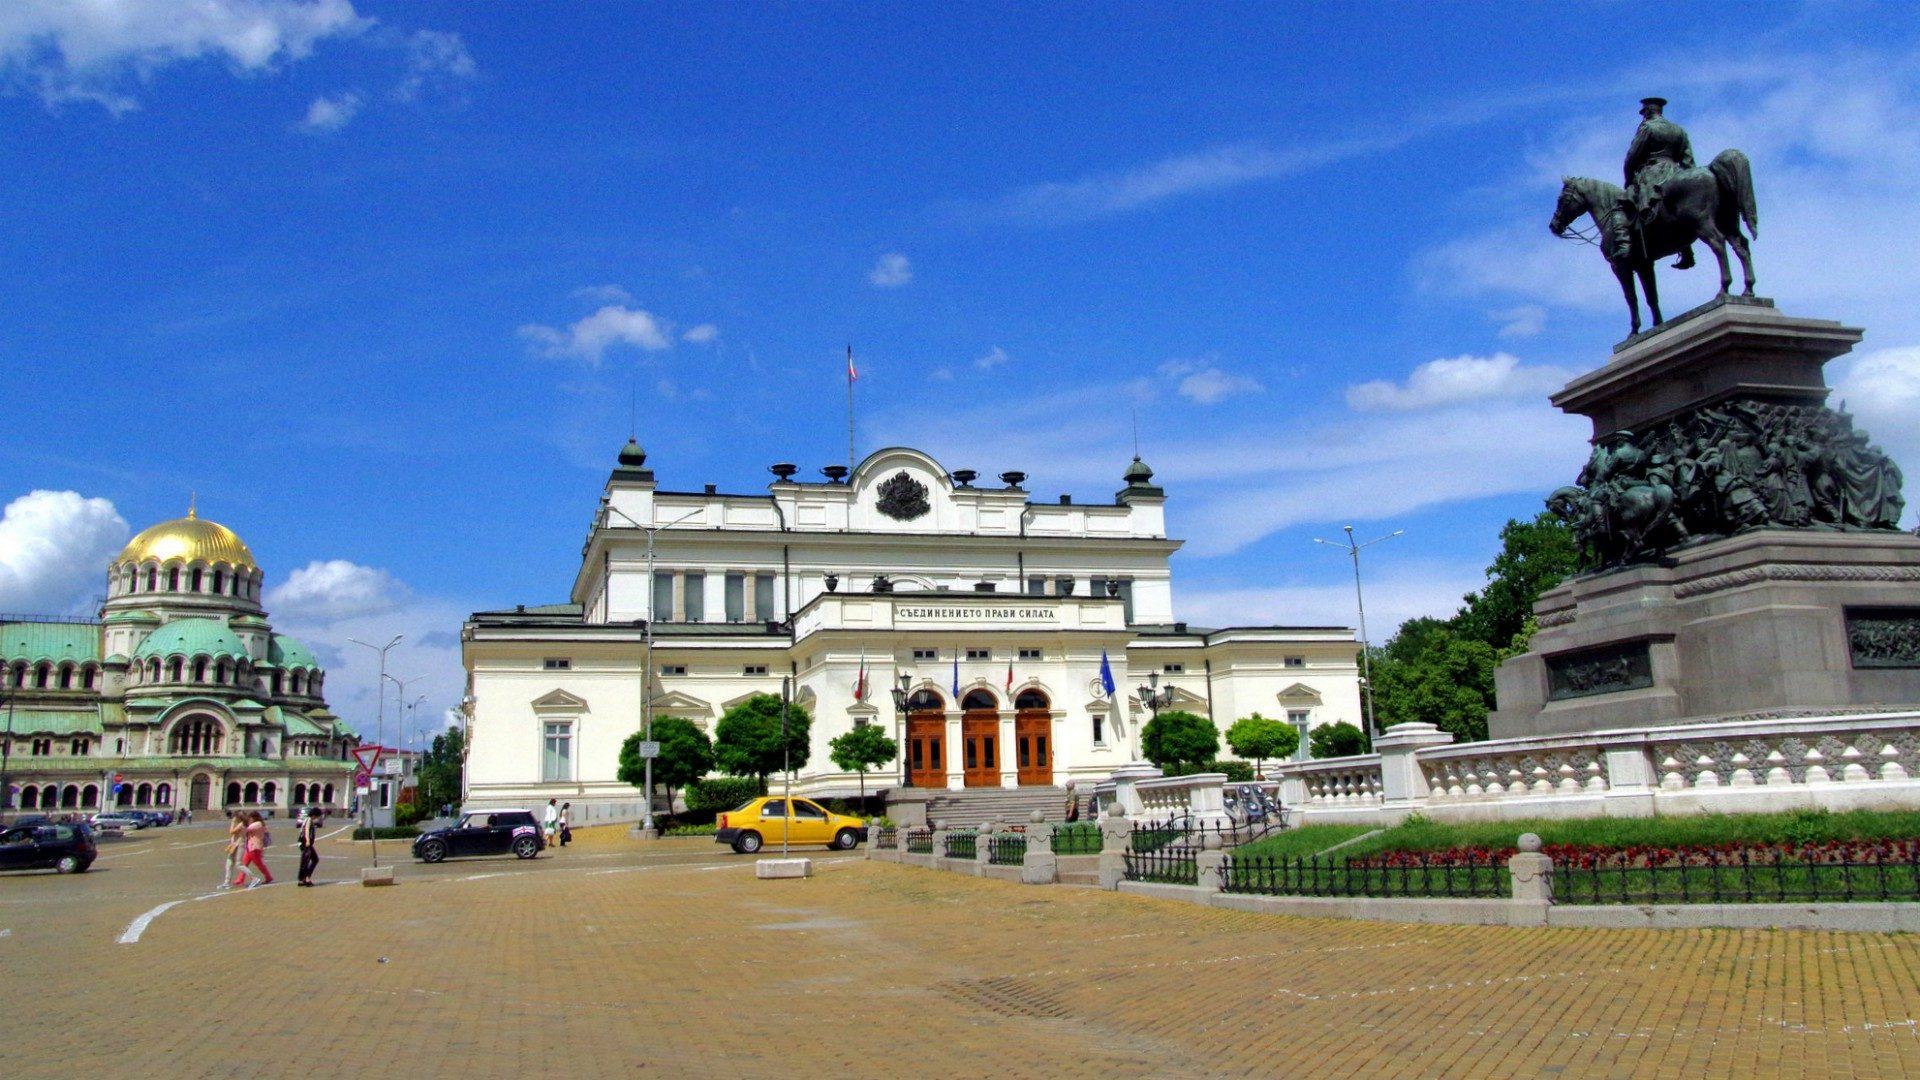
{"x":970,"y":808}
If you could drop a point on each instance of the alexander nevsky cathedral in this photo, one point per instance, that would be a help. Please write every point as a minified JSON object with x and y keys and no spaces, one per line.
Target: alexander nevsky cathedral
{"x":180,"y":692}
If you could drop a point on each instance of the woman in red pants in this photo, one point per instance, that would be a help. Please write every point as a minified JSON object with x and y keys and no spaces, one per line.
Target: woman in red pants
{"x":254,"y":860}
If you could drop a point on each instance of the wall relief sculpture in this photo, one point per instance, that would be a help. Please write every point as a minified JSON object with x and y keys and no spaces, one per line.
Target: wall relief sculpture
{"x":1884,"y":638}
{"x":902,"y":498}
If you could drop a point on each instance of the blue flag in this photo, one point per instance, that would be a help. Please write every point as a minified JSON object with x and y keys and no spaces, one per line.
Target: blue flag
{"x":1106,"y":674}
{"x":956,"y":673}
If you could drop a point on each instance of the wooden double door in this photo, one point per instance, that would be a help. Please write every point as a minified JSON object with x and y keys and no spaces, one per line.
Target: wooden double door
{"x":980,"y":746}
{"x":926,"y":757}
{"x":1033,"y":747}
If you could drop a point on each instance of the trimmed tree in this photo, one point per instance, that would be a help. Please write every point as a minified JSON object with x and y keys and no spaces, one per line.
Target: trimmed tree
{"x":686,"y":755}
{"x":747,"y":740}
{"x":1176,"y":738}
{"x":1336,"y":740}
{"x":860,"y":749}
{"x":1260,"y":738}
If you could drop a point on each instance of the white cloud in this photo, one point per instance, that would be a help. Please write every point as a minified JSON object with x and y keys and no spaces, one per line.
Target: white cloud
{"x":591,"y":337}
{"x":54,"y":550}
{"x":704,"y":334}
{"x":331,"y":113}
{"x":993,"y":359}
{"x":427,"y":657}
{"x":1204,"y":382}
{"x":890,"y":271}
{"x":333,"y":590}
{"x":94,"y":51}
{"x":1521,"y":322}
{"x":1396,"y":591}
{"x":1457,"y":380}
{"x":603,"y":294}
{"x":1882,"y":390}
{"x":941,"y":374}
{"x":433,"y":57}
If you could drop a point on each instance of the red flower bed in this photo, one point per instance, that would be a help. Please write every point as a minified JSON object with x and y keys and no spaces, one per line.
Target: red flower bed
{"x":1588,"y":856}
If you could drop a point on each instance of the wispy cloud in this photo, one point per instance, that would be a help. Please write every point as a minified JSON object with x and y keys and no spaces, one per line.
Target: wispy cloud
{"x":704,"y":334}
{"x":590,"y":338}
{"x":329,"y":114}
{"x":1456,"y":381}
{"x":993,"y":358}
{"x":603,"y":294}
{"x":890,"y":271}
{"x":1204,"y":382}
{"x":434,"y":58}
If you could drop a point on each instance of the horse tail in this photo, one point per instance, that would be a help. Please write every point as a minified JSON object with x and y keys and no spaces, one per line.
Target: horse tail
{"x":1735,"y":176}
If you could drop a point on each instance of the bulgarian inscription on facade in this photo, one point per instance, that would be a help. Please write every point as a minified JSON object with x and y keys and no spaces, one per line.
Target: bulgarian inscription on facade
{"x":974,"y":613}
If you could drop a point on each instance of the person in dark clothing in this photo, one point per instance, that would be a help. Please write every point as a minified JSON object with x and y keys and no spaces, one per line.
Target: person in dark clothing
{"x":309,"y":847}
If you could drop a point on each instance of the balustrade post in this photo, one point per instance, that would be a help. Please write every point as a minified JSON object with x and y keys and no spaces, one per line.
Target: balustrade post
{"x":1211,"y":862}
{"x":939,"y":848}
{"x":1532,"y":875}
{"x":1040,"y":866}
{"x":983,"y":848}
{"x":1116,"y":832}
{"x":1402,"y":783}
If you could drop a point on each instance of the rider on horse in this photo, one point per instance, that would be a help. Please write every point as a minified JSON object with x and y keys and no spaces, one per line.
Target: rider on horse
{"x":1660,"y":149}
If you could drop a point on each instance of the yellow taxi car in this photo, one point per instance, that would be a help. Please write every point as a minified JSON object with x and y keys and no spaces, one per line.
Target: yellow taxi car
{"x":770,"y":818}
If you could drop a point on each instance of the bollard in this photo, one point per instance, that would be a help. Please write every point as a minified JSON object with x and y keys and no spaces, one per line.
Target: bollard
{"x":1211,"y":863}
{"x":1116,"y":832}
{"x":1532,"y":875}
{"x":1040,"y":866}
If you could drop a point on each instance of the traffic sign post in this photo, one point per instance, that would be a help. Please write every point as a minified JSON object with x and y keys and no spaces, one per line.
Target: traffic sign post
{"x":368,"y":757}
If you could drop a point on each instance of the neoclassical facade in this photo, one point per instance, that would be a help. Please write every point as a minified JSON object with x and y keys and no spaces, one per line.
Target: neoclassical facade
{"x":997,"y":611}
{"x":180,"y":689}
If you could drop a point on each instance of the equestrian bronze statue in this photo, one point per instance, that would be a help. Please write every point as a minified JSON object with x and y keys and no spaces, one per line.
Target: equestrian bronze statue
{"x":1668,"y":203}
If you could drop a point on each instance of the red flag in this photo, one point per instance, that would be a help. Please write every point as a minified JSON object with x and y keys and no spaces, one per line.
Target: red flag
{"x":860,"y":684}
{"x":1009,"y":674}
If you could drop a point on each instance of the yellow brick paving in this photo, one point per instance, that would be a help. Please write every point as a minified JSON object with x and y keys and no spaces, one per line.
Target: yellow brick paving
{"x":609,"y":959}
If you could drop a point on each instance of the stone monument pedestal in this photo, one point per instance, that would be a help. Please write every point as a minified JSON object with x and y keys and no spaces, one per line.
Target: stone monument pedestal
{"x":1819,"y":615}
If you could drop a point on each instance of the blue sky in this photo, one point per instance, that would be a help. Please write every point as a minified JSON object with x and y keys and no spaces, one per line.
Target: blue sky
{"x":379,"y":281}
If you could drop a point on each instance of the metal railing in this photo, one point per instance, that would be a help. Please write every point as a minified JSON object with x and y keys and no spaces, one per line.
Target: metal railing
{"x":919,"y":841}
{"x":886,"y":836}
{"x":1842,"y":873}
{"x":1172,"y":864}
{"x":962,"y":845}
{"x":1466,"y":877}
{"x":1007,"y":849}
{"x":1077,"y":839}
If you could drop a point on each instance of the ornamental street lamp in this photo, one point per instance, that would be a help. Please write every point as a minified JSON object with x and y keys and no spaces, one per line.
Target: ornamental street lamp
{"x":1366,"y":664}
{"x":900,"y":695}
{"x":1154,"y":698}
{"x":646,"y":668}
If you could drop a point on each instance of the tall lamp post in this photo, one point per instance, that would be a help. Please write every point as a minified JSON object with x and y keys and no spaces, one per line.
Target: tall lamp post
{"x":1152,"y":696}
{"x":380,"y":732}
{"x":900,"y":695}
{"x":6,"y":755}
{"x":646,"y":669}
{"x":1366,"y":663}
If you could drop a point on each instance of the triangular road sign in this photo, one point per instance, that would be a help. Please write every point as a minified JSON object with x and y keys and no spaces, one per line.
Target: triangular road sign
{"x":367,"y":756}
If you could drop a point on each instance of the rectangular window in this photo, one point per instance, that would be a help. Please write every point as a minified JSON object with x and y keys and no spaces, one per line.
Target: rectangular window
{"x":763,"y":597}
{"x":754,"y":669}
{"x":1030,"y":654}
{"x":979,"y":654}
{"x":556,"y":663}
{"x":1036,"y":586}
{"x":1099,"y":730}
{"x":662,"y":598}
{"x":926,"y":654}
{"x":695,"y":599}
{"x":736,"y":597}
{"x":556,"y":762}
{"x":1173,"y":669}
{"x":78,"y":748}
{"x":1298,"y":718}
{"x":1296,"y":661}
{"x":673,"y":669}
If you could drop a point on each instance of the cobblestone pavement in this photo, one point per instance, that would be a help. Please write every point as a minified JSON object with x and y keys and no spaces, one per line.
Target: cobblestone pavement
{"x":610,"y":959}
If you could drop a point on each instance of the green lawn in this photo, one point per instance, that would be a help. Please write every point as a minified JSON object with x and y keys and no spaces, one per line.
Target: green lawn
{"x":1420,"y":834}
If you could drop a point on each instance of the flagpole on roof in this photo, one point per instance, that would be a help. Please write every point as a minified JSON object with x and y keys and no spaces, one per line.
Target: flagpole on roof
{"x":851,"y":375}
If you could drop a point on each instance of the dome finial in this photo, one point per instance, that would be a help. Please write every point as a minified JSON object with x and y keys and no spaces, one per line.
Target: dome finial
{"x":193,"y":505}
{"x":631,"y":455}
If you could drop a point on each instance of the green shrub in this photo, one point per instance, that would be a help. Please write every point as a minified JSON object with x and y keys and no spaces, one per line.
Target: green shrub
{"x":1337,"y":740}
{"x":686,"y":828}
{"x":396,"y":832}
{"x":1238,"y":772}
{"x":412,"y":813}
{"x":715,"y":794}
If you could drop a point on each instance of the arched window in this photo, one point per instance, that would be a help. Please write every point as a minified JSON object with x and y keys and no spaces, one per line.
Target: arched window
{"x":276,"y":684}
{"x":127,"y":583}
{"x":66,"y":676}
{"x":49,"y":797}
{"x":296,"y":681}
{"x":153,"y":670}
{"x":253,"y":792}
{"x":195,"y":580}
{"x":42,"y":674}
{"x":978,"y":699}
{"x":219,"y":582}
{"x":1031,"y":699}
{"x":91,"y":677}
{"x":176,"y":668}
{"x":267,"y":791}
{"x":30,"y":798}
{"x":123,"y":797}
{"x":70,"y":796}
{"x":233,"y":792}
{"x":199,"y":669}
{"x":926,"y":701}
{"x":153,"y":578}
{"x":220,"y":671}
{"x":173,"y":579}
{"x":299,"y":794}
{"x":328,"y":797}
{"x":163,"y":795}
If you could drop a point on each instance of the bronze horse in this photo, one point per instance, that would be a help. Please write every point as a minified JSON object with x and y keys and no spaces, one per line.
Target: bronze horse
{"x":1696,"y":204}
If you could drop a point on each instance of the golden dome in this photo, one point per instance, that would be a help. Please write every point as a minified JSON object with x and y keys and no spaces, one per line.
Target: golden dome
{"x":188,"y":539}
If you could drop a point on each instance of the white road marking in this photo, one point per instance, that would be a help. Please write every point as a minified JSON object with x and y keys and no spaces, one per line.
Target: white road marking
{"x":6,"y":933}
{"x":139,"y":926}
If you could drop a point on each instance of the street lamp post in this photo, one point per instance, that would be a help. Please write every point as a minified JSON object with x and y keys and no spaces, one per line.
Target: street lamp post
{"x":6,"y":755}
{"x":380,"y":731}
{"x":900,"y":695}
{"x":1360,"y":601}
{"x":647,"y":830}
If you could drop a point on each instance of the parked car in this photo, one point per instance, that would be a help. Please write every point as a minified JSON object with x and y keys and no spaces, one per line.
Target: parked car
{"x":33,"y":819}
{"x":483,"y":832}
{"x":151,"y":817}
{"x":767,"y":819}
{"x":68,"y":849}
{"x":117,"y":820}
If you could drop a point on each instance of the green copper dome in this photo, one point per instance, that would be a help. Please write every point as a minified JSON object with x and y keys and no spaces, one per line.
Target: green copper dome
{"x":192,"y":637}
{"x":288,"y":653}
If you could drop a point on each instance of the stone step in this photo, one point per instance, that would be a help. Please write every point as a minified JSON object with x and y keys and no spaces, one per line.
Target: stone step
{"x":1007,"y":806}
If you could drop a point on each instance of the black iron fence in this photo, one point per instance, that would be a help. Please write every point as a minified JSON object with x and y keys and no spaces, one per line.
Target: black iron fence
{"x":1763,"y":876}
{"x":962,"y":845}
{"x":885,"y":836}
{"x":919,"y":842}
{"x":1171,"y":864}
{"x":1007,"y":849}
{"x":1076,"y":839}
{"x":1465,"y":877}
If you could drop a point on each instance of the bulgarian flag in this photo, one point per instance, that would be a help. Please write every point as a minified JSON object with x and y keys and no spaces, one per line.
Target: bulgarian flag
{"x":851,"y":373}
{"x":860,"y":684}
{"x":1009,"y":674}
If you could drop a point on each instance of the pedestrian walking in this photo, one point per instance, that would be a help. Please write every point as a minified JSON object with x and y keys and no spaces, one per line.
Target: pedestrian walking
{"x":309,"y":846}
{"x":253,"y":858}
{"x":566,"y":824}
{"x":552,"y":823}
{"x":1073,"y":804}
{"x":236,"y":840}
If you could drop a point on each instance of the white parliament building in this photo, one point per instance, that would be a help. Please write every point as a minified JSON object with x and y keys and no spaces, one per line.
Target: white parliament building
{"x":996,"y":611}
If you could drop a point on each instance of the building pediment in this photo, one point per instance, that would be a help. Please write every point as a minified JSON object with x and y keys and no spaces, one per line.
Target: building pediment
{"x":1299,"y":694}
{"x":678,"y":702}
{"x":560,"y":701}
